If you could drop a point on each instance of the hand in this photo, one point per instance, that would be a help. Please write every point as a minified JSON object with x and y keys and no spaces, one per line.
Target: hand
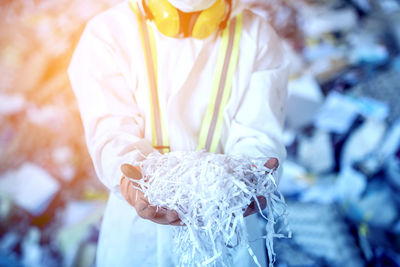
{"x":271,"y":164}
{"x":137,"y":199}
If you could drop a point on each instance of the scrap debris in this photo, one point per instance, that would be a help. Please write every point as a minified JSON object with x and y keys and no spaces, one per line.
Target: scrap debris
{"x":344,"y":75}
{"x":210,"y":193}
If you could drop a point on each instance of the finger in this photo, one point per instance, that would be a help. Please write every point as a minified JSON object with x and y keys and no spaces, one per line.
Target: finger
{"x":253,"y":207}
{"x":157,"y":215}
{"x":262,"y":201}
{"x":177,"y":223}
{"x":250,"y":209}
{"x":144,"y":209}
{"x":131,"y":171}
{"x":161,"y":216}
{"x":171,"y":215}
{"x":124,"y":185}
{"x":272,"y":163}
{"x":164,"y":216}
{"x":164,"y":221}
{"x":127,"y":191}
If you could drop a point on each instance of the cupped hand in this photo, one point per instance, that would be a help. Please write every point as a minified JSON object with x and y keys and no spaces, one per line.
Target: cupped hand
{"x":271,"y":164}
{"x":137,"y":199}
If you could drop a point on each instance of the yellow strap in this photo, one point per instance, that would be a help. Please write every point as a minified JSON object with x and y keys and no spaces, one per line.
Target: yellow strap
{"x":160,"y":138}
{"x":211,"y":129}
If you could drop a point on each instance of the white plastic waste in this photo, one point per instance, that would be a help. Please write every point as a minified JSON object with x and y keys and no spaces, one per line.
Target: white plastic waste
{"x":210,"y":193}
{"x":30,"y":187}
{"x":316,"y":152}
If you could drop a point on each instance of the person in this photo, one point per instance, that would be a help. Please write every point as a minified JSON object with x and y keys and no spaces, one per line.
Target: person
{"x":164,"y":74}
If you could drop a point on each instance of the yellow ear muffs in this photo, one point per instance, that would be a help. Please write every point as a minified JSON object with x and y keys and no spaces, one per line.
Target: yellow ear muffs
{"x":165,"y":16}
{"x":209,"y":20}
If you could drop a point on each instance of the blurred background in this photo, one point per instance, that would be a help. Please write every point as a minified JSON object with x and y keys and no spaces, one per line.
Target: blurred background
{"x":342,"y":176}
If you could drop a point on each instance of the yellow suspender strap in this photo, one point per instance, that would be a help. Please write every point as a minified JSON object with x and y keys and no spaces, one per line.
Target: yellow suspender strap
{"x":211,"y":129}
{"x":160,"y":138}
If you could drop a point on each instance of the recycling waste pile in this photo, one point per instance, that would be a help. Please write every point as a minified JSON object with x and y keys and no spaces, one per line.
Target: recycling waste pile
{"x":341,"y":179}
{"x":209,"y":192}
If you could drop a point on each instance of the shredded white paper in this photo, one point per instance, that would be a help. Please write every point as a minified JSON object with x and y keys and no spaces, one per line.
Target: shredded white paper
{"x":210,"y":193}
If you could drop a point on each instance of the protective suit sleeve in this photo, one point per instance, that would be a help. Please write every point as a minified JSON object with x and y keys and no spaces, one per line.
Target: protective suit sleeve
{"x":112,"y":120}
{"x":256,"y":129}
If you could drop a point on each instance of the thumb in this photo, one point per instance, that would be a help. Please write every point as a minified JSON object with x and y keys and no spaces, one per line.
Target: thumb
{"x":129,"y":193}
{"x":131,"y":171}
{"x":272,"y":163}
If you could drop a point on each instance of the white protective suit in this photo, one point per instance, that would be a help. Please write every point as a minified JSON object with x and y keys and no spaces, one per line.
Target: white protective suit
{"x":109,"y":78}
